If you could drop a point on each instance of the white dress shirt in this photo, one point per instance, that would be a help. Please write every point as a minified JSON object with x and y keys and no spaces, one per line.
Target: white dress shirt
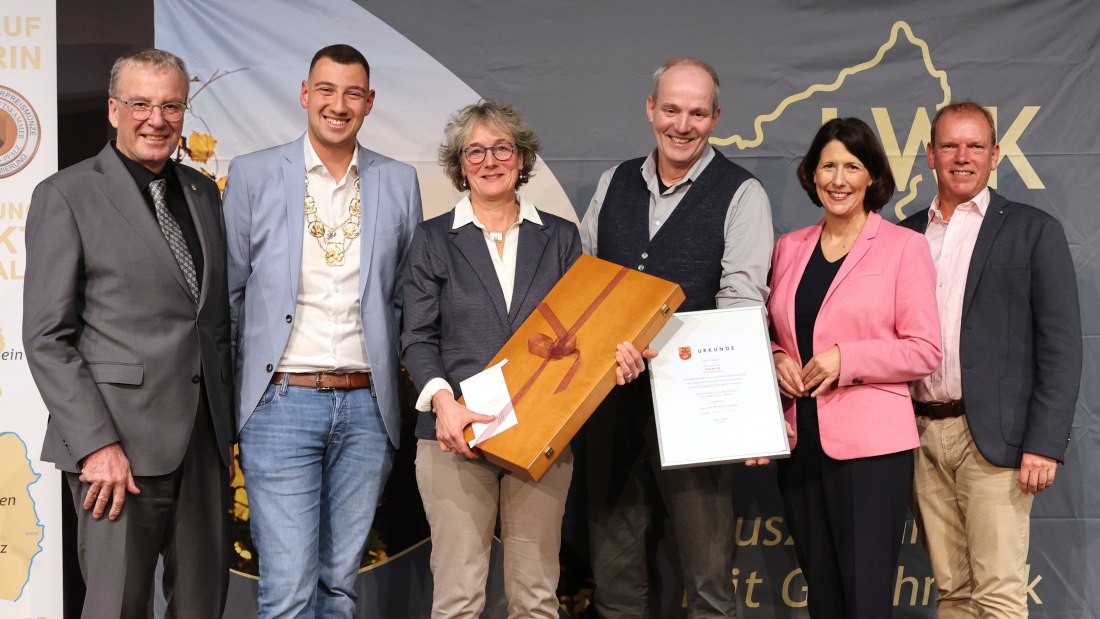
{"x":327,"y":334}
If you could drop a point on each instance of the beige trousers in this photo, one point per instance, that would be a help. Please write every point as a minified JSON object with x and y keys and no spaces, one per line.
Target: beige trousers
{"x":975,"y":523}
{"x":462,"y":499}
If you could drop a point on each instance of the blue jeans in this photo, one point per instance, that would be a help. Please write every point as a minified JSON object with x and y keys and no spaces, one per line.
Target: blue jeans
{"x":315,"y":462}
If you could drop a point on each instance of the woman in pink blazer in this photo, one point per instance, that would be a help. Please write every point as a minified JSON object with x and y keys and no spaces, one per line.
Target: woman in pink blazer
{"x":853,"y":318}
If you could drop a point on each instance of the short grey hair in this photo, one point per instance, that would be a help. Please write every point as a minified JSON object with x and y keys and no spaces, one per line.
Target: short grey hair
{"x":493,"y":114}
{"x":152,"y":58}
{"x":692,"y":62}
{"x":965,"y":107}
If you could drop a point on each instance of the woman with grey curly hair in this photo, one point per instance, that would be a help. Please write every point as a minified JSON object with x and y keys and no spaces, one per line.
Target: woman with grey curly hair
{"x":502,"y":118}
{"x":474,"y":275}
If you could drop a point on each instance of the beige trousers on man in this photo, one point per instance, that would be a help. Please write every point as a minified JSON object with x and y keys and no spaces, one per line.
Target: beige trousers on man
{"x":461,"y":499}
{"x":975,"y":523}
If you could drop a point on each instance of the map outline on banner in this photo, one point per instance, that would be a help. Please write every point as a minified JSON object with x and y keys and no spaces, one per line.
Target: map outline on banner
{"x":900,"y":25}
{"x":6,"y":527}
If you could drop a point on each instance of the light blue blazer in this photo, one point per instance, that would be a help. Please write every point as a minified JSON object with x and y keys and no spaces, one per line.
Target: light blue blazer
{"x":265,"y":225}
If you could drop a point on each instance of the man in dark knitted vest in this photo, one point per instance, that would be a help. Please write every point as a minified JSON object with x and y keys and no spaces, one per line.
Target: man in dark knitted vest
{"x":687,"y":214}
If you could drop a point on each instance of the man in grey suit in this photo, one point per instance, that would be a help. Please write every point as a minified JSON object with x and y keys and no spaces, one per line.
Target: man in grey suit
{"x":126,"y":324}
{"x":995,"y":416}
{"x":318,"y":232}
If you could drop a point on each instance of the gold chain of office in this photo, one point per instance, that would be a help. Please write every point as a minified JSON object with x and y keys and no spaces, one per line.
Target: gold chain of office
{"x":326,"y":235}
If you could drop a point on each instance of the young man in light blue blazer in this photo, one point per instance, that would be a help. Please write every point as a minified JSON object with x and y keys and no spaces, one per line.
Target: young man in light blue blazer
{"x":318,"y":231}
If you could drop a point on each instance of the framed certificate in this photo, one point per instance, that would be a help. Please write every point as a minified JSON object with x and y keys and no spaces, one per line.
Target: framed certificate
{"x":714,"y":390}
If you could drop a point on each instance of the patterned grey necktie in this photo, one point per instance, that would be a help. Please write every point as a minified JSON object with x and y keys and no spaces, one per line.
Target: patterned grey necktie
{"x":174,"y":235}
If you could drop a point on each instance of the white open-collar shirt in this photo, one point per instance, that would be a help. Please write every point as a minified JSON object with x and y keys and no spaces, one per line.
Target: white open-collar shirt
{"x":327,"y":334}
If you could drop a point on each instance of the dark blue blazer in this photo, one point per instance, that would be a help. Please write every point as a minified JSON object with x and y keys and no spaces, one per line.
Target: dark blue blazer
{"x":1020,"y":345}
{"x":455,"y":319}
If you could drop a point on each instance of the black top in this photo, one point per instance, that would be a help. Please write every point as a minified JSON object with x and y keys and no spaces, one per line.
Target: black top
{"x":177,"y":204}
{"x":811,"y":292}
{"x":662,"y":188}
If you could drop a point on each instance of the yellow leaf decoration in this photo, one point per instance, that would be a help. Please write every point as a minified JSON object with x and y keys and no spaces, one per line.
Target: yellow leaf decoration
{"x":201,"y":146}
{"x":239,"y":508}
{"x":221,"y":184}
{"x":241,"y":551}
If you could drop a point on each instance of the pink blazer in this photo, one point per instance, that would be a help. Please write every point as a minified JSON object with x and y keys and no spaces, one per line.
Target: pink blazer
{"x":881,"y":311}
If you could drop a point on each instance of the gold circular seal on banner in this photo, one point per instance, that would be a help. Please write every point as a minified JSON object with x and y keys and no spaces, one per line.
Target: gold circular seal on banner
{"x":20,"y":132}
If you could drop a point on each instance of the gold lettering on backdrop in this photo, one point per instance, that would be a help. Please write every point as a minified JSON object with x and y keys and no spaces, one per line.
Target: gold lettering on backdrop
{"x":911,"y":589}
{"x":13,"y":210}
{"x":771,"y":525}
{"x":773,"y":535}
{"x":6,"y":236}
{"x":1010,"y":148}
{"x":903,"y":159}
{"x":915,"y":587}
{"x":910,"y":533}
{"x":800,"y":602}
{"x":1031,"y":584}
{"x":19,"y":56}
{"x":750,"y":586}
{"x":754,"y":539}
{"x":22,"y":26}
{"x":10,"y":271}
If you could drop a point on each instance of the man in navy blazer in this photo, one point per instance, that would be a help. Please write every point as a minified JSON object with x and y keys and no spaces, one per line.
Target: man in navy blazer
{"x":995,"y":416}
{"x":318,"y":231}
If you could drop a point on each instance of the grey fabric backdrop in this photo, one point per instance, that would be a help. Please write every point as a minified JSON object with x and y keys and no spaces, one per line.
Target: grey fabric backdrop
{"x":580,"y":73}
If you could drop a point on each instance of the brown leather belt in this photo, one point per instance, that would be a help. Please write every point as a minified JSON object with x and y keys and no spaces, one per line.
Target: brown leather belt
{"x":324,"y":380}
{"x":940,"y":410}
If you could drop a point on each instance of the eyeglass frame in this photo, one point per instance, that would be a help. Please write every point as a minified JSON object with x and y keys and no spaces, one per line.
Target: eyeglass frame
{"x":134,"y":113}
{"x":510,"y":147}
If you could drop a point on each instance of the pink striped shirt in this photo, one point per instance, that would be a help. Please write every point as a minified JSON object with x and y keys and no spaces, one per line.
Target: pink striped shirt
{"x":952,"y":245}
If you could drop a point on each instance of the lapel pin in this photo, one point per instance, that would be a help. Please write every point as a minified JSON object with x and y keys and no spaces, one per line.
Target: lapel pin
{"x":193,"y":188}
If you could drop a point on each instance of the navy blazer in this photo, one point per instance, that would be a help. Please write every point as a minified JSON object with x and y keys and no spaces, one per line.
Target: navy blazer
{"x":455,"y":319}
{"x":1020,"y":345}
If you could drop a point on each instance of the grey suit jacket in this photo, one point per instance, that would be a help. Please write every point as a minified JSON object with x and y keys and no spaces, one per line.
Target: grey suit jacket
{"x":265,"y":225}
{"x":114,"y":341}
{"x":1020,"y":345}
{"x":455,"y":316}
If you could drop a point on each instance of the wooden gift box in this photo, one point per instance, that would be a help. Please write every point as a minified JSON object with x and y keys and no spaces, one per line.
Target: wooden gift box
{"x":561,"y":361}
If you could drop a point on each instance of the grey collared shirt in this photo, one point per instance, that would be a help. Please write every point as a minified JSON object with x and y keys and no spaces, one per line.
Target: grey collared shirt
{"x":748,"y":229}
